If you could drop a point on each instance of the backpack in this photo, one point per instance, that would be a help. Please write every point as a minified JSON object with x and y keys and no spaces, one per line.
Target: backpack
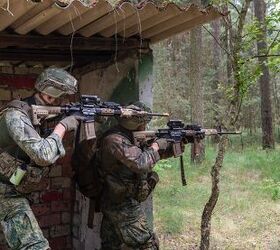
{"x":85,"y":164}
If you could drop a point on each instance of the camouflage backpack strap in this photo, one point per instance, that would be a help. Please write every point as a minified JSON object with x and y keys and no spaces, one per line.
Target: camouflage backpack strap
{"x":17,"y":104}
{"x":20,"y":105}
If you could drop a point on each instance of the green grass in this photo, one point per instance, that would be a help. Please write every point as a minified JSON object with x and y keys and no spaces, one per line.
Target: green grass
{"x":247,"y":215}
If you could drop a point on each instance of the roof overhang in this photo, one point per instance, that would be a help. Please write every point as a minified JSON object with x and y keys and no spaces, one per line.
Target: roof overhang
{"x":90,"y":28}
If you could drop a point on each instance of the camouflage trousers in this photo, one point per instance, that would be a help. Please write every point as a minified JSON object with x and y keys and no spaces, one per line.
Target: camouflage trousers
{"x":20,"y":226}
{"x":124,"y":227}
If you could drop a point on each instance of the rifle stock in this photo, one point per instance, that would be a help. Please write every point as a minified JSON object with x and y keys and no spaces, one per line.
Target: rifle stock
{"x":39,"y":112}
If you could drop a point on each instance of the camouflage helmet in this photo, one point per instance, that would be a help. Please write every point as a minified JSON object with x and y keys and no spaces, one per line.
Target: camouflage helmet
{"x":56,"y":82}
{"x":133,"y":123}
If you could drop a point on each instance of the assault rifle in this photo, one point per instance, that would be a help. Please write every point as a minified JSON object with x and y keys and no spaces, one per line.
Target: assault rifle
{"x":177,"y":133}
{"x":90,"y":107}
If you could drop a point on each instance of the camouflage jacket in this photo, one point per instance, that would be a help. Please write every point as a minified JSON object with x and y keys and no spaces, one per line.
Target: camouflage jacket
{"x":16,"y":129}
{"x":123,"y":165}
{"x":21,"y":140}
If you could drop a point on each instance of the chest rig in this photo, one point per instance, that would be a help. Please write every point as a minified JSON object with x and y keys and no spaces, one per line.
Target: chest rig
{"x":11,"y":165}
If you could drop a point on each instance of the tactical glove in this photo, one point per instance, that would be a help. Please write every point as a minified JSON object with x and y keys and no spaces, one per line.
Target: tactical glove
{"x":162,"y":144}
{"x":71,"y":122}
{"x":165,"y":148}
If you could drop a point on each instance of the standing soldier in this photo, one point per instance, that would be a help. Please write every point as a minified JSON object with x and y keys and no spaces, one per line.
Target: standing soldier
{"x":128,"y":180}
{"x":25,"y":157}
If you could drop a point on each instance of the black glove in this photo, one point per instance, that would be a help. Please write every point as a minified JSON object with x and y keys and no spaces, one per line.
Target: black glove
{"x":71,"y":122}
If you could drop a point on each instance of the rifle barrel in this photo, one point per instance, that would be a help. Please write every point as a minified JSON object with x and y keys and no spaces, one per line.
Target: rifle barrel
{"x":159,"y":114}
{"x":230,"y":133}
{"x":217,"y":132}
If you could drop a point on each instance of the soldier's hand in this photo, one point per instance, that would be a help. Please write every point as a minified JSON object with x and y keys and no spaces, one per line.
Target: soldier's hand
{"x":165,"y":148}
{"x":155,"y":146}
{"x":71,"y":122}
{"x":162,"y":144}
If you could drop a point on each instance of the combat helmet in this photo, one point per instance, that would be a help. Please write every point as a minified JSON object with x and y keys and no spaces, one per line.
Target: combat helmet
{"x":56,"y":82}
{"x":132,"y":123}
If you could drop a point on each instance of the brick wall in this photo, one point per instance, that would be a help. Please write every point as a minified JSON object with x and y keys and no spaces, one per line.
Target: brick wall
{"x":54,"y":206}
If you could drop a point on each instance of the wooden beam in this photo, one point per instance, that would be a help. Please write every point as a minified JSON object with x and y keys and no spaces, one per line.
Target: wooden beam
{"x":169,"y":12}
{"x":39,"y":19}
{"x":17,"y":8}
{"x":101,"y":8}
{"x":186,"y":26}
{"x":46,"y":55}
{"x":76,"y":9}
{"x":186,"y":16}
{"x":38,"y":8}
{"x":109,"y":20}
{"x":78,"y":43}
{"x":140,"y":16}
{"x":2,"y":3}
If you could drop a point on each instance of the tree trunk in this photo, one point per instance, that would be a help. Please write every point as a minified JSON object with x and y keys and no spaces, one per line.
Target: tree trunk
{"x":196,"y":97}
{"x":216,"y":96}
{"x":231,"y":117}
{"x":266,"y":112}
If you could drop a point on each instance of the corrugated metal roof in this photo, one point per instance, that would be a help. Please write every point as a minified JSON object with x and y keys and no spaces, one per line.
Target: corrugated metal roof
{"x":84,"y":17}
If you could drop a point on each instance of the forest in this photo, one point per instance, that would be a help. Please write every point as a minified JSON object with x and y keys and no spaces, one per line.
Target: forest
{"x":223,"y":75}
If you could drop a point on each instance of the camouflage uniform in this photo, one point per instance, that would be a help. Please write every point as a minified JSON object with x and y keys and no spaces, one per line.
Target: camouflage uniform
{"x":125,"y":169}
{"x":22,"y":141}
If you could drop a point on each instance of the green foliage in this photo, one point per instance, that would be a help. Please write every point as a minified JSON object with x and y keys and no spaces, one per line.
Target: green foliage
{"x":249,"y":186}
{"x":172,"y":70}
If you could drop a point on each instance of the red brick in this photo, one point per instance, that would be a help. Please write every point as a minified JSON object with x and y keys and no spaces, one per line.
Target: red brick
{"x":60,"y":206}
{"x":34,"y":197}
{"x":68,"y":195}
{"x":46,"y":233}
{"x":51,"y":196}
{"x":58,"y":243}
{"x":4,"y":247}
{"x":60,"y":230}
{"x":5,"y":94}
{"x":56,"y":171}
{"x":67,"y":170}
{"x":44,"y":184}
{"x":60,"y":182}
{"x":22,"y":93}
{"x":2,"y":239}
{"x":41,"y":209}
{"x":49,"y":220}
